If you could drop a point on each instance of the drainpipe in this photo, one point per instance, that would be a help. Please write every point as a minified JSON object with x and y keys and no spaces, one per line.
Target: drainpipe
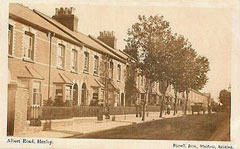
{"x":50,"y":35}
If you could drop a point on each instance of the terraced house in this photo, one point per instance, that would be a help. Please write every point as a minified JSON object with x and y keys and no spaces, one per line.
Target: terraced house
{"x":51,"y":63}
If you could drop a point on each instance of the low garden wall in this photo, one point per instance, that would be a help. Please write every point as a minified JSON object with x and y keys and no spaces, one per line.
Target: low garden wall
{"x":52,"y":112}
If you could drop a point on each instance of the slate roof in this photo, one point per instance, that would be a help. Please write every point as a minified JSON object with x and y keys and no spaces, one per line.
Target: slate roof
{"x":26,"y":15}
{"x":115,"y":51}
{"x":30,"y":72}
{"x":62,"y":78}
{"x":40,"y":20}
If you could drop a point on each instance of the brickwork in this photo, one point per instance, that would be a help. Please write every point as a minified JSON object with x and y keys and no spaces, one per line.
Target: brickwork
{"x":17,"y":65}
{"x":17,"y":109}
{"x":12,"y":89}
{"x":22,"y":96}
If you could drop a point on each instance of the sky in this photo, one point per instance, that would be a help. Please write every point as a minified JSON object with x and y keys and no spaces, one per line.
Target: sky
{"x":208,"y":28}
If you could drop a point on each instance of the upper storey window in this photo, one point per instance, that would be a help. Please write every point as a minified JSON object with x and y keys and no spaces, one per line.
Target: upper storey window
{"x":86,"y":62}
{"x":60,"y":56}
{"x":74,"y":60}
{"x":96,"y":65}
{"x":111,"y":70}
{"x":10,"y":39}
{"x":29,"y":46}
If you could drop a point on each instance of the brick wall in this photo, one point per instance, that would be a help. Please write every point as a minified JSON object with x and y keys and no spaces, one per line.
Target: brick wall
{"x":17,"y":109}
{"x":41,"y":61}
{"x":12,"y":89}
{"x":22,"y":95}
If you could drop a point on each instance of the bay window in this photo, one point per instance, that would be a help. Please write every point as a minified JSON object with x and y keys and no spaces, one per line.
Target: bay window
{"x":37,"y":95}
{"x":68,"y":93}
{"x":59,"y":92}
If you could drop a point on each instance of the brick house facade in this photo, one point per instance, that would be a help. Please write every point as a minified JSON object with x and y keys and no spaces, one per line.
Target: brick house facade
{"x":55,"y":62}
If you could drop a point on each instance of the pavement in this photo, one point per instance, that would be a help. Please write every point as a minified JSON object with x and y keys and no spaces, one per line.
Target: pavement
{"x":94,"y":125}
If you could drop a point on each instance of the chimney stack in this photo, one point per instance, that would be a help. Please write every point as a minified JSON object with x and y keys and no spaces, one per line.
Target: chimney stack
{"x":66,"y":16}
{"x":108,"y":37}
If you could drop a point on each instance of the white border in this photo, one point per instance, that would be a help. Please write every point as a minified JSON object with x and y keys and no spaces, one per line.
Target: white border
{"x":125,"y":143}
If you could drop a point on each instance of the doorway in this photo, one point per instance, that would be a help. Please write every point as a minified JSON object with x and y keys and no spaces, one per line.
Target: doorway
{"x":84,"y":94}
{"x":75,"y":94}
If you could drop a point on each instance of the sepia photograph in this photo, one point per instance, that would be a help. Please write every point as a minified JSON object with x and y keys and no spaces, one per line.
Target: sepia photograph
{"x":122,"y":71}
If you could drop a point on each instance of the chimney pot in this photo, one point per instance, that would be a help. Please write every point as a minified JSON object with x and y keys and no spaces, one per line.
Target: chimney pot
{"x":72,"y":10}
{"x":108,"y":37}
{"x":61,"y":11}
{"x":66,"y":17}
{"x":56,"y":11}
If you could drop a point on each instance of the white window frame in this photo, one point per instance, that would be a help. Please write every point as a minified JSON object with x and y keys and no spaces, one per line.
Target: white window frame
{"x":86,"y":62}
{"x":29,"y":46}
{"x":58,"y":87}
{"x":10,"y":39}
{"x":119,"y":72}
{"x":111,"y":66}
{"x":96,"y":65}
{"x":68,"y":92}
{"x":61,"y":56}
{"x":95,"y":94}
{"x":74,"y":60}
{"x":37,"y":93}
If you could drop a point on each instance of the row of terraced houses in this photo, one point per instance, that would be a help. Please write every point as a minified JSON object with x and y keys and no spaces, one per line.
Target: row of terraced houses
{"x":51,"y":63}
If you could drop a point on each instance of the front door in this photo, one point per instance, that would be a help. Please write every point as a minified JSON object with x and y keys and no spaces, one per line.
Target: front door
{"x":84,"y":94}
{"x":75,"y":94}
{"x":122,"y":99}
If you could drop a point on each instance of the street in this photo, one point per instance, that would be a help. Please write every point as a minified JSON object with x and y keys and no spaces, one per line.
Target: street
{"x":213,"y":127}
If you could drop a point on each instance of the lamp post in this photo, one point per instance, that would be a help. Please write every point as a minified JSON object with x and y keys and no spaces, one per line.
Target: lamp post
{"x":50,"y":35}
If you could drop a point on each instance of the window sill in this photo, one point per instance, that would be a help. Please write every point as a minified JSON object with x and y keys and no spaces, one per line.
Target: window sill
{"x":28,"y":60}
{"x":10,"y":56}
{"x":73,"y":71}
{"x":95,"y":75}
{"x":86,"y":72}
{"x":60,"y":68}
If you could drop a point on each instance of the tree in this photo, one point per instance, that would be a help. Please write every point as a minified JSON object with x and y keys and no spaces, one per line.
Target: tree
{"x":149,"y":40}
{"x":188,"y":69}
{"x":130,"y":83}
{"x":178,"y":65}
{"x":225,"y":99}
{"x":106,"y":80}
{"x":196,"y":76}
{"x":166,"y":58}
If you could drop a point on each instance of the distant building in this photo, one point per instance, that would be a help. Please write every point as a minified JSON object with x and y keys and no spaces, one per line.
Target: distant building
{"x":198,"y":97}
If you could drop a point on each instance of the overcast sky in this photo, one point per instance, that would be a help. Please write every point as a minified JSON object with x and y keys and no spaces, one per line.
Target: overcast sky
{"x":209,"y":29}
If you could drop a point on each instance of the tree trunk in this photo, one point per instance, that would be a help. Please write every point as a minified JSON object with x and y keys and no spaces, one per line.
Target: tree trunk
{"x":185,"y":111}
{"x":162,"y":105}
{"x":143,"y":107}
{"x":145,"y":99}
{"x":175,"y":102}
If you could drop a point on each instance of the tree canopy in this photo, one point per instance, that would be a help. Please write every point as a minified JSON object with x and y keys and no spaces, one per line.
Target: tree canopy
{"x":225,"y":98}
{"x":165,"y":57}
